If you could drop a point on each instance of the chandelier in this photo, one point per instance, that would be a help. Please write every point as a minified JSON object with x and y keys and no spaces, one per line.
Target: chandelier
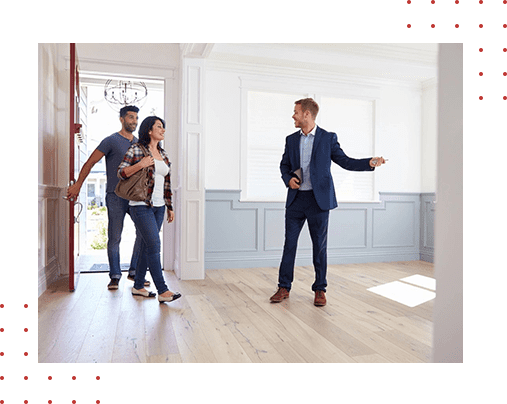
{"x":121,"y":93}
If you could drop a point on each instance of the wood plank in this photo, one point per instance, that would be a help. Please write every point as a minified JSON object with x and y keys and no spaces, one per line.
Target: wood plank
{"x":66,"y":338}
{"x":192,"y":344}
{"x":228,"y":317}
{"x":164,"y":358}
{"x":225,"y":347}
{"x":130,"y":341}
{"x":99,"y":341}
{"x":375,"y":358}
{"x":254,"y":343}
{"x":307,"y":336}
{"x":159,"y":333}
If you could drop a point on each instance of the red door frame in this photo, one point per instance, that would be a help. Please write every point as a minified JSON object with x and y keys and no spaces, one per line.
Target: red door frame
{"x":74,"y":128}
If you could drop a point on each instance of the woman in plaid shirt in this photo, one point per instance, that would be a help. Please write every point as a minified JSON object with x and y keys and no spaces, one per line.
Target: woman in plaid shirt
{"x":148,"y":215}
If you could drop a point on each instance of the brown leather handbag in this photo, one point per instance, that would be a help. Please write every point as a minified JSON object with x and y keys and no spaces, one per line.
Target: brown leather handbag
{"x":135,"y":187}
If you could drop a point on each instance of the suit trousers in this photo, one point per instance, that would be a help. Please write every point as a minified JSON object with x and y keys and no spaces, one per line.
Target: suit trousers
{"x":303,"y":208}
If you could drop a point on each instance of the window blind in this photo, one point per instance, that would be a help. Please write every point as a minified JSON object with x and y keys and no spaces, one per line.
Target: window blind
{"x":269,"y":122}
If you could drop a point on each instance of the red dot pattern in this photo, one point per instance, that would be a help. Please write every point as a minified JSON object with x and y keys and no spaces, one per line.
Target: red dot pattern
{"x":26,"y":377}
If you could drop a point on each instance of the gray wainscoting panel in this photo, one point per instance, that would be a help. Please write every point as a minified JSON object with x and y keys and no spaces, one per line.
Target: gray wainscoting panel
{"x":394,"y":225}
{"x":274,"y":229}
{"x":348,"y":227}
{"x":230,"y":230}
{"x":251,"y":234}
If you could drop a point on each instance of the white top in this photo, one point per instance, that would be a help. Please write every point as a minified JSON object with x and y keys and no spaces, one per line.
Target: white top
{"x":157,"y":198}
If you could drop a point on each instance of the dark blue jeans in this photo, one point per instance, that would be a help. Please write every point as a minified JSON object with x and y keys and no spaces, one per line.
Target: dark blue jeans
{"x":116,"y":209}
{"x":148,"y":221}
{"x":304,"y":208}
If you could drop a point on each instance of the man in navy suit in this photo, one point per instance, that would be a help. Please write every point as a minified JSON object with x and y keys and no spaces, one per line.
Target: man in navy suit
{"x":311,"y":197}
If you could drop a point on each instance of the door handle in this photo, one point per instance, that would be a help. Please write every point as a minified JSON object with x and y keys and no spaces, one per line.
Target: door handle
{"x":76,"y":219}
{"x":72,"y":182}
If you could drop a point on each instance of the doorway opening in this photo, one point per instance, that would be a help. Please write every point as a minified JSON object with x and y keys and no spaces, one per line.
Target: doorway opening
{"x":101,"y":120}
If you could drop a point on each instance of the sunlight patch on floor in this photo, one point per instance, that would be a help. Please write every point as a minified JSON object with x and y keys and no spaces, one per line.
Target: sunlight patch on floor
{"x":409,"y":295}
{"x":423,"y":281}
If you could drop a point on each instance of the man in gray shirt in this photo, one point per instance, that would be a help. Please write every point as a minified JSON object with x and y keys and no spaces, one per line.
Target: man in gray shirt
{"x":114,"y":148}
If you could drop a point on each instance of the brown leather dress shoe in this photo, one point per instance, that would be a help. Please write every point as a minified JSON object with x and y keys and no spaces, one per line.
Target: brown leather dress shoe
{"x":320,"y":298}
{"x":280,"y":294}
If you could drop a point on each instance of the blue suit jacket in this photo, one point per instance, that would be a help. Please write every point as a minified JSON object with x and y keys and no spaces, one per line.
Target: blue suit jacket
{"x":325,"y":149}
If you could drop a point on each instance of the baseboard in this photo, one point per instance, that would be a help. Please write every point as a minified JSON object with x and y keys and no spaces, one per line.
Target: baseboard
{"x":306,"y":260}
{"x":48,"y":275}
{"x":427,"y":257}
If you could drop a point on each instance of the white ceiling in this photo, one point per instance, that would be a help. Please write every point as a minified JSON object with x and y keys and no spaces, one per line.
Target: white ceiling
{"x":405,"y":62}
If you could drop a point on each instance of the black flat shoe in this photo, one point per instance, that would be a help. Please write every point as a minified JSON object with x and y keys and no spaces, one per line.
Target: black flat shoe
{"x":172,"y":298}
{"x":145,"y":293}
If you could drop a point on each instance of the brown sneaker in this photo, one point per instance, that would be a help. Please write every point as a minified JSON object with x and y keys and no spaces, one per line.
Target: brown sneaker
{"x":320,"y":298}
{"x":280,"y":294}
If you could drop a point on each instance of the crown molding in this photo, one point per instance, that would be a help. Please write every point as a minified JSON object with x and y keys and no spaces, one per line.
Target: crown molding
{"x":195,"y":50}
{"x":271,"y":72}
{"x":412,"y":54}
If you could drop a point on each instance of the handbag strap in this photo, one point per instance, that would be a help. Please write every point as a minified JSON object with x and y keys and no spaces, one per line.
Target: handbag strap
{"x":144,"y":149}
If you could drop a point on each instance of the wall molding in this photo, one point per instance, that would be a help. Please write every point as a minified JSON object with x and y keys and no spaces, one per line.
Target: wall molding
{"x":50,"y":206}
{"x":125,"y":69}
{"x":427,"y":226}
{"x":310,"y":74}
{"x":251,"y":234}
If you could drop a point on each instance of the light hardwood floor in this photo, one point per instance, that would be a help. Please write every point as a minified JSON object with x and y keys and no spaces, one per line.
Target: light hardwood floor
{"x":228,"y":318}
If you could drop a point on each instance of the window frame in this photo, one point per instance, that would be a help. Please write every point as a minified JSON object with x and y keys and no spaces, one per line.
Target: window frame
{"x":315,"y":89}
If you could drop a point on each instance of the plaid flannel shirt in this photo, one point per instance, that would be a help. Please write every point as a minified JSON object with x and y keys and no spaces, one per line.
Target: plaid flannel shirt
{"x":133,"y":156}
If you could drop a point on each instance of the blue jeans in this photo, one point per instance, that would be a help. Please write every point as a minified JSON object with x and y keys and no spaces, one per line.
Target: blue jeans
{"x":304,"y":208}
{"x":148,"y":221}
{"x":116,"y":209}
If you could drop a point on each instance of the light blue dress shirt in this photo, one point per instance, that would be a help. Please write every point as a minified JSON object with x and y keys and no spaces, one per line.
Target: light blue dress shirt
{"x":305,"y":148}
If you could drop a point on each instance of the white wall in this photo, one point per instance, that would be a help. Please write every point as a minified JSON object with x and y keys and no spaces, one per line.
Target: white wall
{"x":398,"y":139}
{"x":53,"y":162}
{"x":429,"y":137}
{"x":223,"y":130}
{"x":405,"y":128}
{"x":448,"y":309}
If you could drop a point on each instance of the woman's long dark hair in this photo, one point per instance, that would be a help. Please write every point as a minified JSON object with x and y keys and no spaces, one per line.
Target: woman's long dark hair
{"x":144,"y":129}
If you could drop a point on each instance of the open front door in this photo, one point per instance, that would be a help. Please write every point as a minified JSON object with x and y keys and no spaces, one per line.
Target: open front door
{"x":74,"y":129}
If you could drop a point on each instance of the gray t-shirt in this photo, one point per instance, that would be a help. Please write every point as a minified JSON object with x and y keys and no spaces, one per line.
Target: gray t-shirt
{"x":114,"y":147}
